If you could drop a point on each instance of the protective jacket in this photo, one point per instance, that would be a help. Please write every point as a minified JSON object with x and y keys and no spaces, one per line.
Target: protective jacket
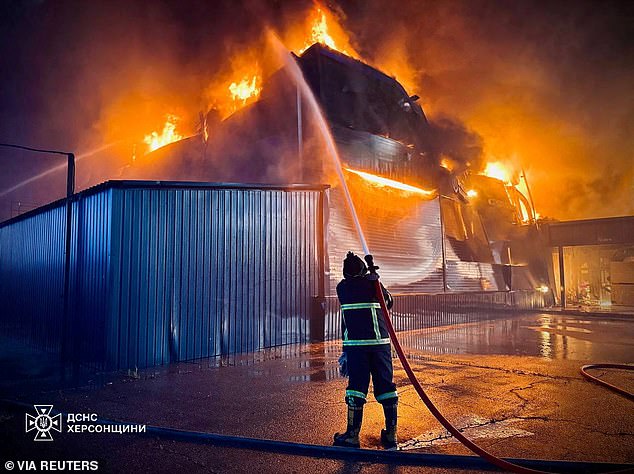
{"x":363,"y":325}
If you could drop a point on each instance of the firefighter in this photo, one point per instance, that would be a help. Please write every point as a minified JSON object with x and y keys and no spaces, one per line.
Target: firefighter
{"x":366,"y":346}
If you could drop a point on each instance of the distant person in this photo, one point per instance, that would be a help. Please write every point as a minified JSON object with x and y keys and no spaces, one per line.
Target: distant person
{"x":367,"y":351}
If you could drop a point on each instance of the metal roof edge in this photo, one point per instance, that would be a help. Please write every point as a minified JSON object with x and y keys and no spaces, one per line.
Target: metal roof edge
{"x":147,"y":184}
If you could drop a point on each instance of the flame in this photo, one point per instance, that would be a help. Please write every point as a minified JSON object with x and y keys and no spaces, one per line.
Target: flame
{"x":245,"y":90}
{"x":319,"y":32}
{"x":497,"y":170}
{"x":447,"y":163}
{"x":472,"y":193}
{"x":169,"y":134}
{"x":238,"y":86}
{"x":325,"y":30}
{"x":381,"y":181}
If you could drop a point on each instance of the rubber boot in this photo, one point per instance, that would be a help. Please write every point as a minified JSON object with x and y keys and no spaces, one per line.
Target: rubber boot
{"x":388,"y":435}
{"x":350,"y":439}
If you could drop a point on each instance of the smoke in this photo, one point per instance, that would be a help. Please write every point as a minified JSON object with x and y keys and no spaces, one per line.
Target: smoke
{"x":450,"y":139}
{"x":545,"y":86}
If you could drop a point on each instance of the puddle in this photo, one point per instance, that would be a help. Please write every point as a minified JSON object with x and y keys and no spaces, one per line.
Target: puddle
{"x":541,"y":335}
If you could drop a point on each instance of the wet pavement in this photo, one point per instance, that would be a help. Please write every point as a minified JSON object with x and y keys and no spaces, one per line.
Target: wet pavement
{"x":550,"y":336}
{"x":512,"y":384}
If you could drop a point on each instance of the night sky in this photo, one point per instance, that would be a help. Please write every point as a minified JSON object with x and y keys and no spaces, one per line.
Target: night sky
{"x":547,"y":86}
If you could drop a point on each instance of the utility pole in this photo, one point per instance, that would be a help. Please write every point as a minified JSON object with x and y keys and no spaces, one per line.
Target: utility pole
{"x":70,"y":190}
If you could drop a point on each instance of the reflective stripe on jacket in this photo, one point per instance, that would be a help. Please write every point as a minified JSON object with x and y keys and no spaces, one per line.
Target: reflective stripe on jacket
{"x":363,"y":324}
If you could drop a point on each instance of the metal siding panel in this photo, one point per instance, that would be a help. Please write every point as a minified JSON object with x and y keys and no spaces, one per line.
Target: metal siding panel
{"x":145,"y":276}
{"x":169,"y":342}
{"x":116,"y":280}
{"x":201,"y":272}
{"x":161,"y":347}
{"x":153,"y":218}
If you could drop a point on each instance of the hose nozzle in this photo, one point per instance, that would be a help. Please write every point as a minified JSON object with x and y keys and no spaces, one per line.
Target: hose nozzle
{"x":372,"y":268}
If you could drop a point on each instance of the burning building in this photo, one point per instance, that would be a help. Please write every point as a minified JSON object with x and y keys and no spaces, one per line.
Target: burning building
{"x":179,"y":266}
{"x":434,"y":229}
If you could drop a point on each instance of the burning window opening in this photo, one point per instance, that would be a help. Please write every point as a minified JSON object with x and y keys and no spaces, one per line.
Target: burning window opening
{"x":381,"y":181}
{"x":169,"y":135}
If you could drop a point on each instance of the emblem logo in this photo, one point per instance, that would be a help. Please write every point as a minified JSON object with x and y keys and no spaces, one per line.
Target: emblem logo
{"x":43,"y":423}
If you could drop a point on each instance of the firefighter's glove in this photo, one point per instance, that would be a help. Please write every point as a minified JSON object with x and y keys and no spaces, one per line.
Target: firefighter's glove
{"x":343,"y":365}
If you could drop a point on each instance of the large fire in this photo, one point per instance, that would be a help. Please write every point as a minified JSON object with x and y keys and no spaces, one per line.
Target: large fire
{"x":169,"y":134}
{"x":497,"y":170}
{"x":319,"y":32}
{"x":246,"y":90}
{"x":381,"y":181}
{"x":324,"y":29}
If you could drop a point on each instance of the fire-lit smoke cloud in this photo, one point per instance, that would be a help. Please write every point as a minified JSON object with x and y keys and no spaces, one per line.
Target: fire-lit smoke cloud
{"x":545,"y":87}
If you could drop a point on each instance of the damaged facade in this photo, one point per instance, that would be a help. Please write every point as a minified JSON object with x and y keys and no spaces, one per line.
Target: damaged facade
{"x":435,"y":242}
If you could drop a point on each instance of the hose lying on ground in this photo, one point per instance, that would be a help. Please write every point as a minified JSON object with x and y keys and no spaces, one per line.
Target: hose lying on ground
{"x":614,"y":388}
{"x":402,"y":458}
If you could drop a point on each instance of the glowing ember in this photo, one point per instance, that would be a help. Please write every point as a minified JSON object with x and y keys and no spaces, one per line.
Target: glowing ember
{"x":380,"y":181}
{"x":472,"y":193}
{"x":447,"y":164}
{"x":167,"y":136}
{"x":497,"y":170}
{"x":245,"y":89}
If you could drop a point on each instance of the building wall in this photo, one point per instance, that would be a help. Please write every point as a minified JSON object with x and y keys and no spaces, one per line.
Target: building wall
{"x":163,"y":273}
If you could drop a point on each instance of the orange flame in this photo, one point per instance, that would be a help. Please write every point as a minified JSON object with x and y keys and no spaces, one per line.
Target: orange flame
{"x":245,"y":90}
{"x":447,"y":164}
{"x":497,"y":170}
{"x":381,"y":181}
{"x":319,"y":32}
{"x":169,"y":134}
{"x":325,"y":30}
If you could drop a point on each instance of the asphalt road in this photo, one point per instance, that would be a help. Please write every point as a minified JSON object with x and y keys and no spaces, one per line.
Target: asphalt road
{"x":512,"y":384}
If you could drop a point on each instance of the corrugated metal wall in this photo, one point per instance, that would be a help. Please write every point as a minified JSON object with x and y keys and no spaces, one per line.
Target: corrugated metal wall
{"x":162,"y":273}
{"x":32,"y":278}
{"x":407,"y":240}
{"x":404,"y":237}
{"x":90,"y":266}
{"x":467,"y":253}
{"x":200,"y":272}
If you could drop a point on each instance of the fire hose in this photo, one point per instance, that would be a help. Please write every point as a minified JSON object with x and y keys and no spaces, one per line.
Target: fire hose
{"x":597,"y":380}
{"x":501,"y":463}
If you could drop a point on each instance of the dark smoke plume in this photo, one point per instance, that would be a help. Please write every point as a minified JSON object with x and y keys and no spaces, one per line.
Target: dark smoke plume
{"x":546,"y":85}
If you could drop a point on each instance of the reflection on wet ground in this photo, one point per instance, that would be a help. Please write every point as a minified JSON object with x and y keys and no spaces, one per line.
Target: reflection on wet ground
{"x":550,"y":336}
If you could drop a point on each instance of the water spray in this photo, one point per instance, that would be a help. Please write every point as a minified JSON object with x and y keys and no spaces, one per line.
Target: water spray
{"x":305,"y":91}
{"x":55,"y":168}
{"x":304,"y":88}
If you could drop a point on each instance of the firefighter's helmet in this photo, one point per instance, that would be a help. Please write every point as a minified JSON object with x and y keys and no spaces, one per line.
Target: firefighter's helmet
{"x":354,"y":266}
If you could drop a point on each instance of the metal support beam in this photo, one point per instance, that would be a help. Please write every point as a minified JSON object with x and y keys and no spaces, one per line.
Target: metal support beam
{"x":562,"y":279}
{"x":442,"y":245}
